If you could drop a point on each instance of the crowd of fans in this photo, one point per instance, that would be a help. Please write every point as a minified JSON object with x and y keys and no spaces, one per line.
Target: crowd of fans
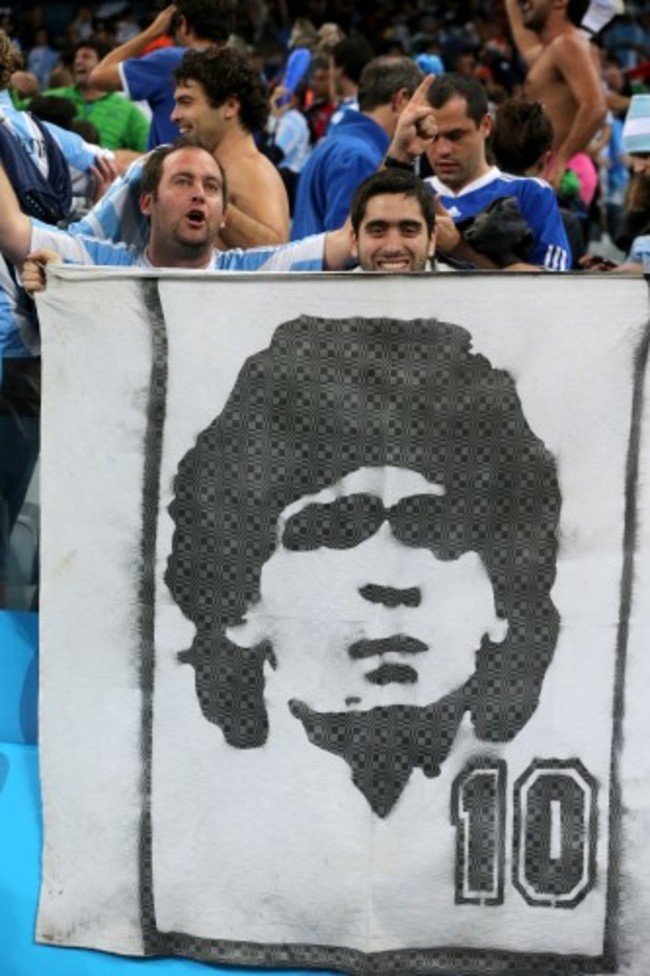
{"x":517,"y":150}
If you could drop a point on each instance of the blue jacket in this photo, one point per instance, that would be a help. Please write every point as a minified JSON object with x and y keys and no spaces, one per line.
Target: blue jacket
{"x":350,"y":151}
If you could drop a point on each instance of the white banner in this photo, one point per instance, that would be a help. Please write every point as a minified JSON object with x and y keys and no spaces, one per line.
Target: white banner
{"x":341,"y":662}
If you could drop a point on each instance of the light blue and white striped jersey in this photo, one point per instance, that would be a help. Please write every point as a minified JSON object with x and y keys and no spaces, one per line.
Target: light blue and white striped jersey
{"x":306,"y":255}
{"x":537,"y":203}
{"x":80,"y":155}
{"x":640,"y":252}
{"x":292,"y":137}
{"x":19,"y":335}
{"x":117,"y":216}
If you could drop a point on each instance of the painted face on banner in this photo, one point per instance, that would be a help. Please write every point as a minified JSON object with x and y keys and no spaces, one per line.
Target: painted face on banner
{"x":359,"y":611}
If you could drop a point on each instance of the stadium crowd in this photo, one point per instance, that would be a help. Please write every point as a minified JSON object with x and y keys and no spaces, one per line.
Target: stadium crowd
{"x":507,"y":134}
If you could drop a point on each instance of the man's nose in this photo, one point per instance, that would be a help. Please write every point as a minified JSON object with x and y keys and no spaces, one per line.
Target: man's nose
{"x":393,"y":239}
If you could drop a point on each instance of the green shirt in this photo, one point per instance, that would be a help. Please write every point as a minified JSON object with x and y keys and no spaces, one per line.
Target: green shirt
{"x":120,"y":123}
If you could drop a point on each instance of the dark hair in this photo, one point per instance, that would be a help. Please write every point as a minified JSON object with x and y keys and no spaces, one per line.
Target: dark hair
{"x":471,"y":90}
{"x":320,"y":62}
{"x":392,"y":181}
{"x":287,"y":430}
{"x":522,"y":133}
{"x":54,"y":108}
{"x":153,"y":164}
{"x":96,"y":44}
{"x":576,"y":9}
{"x":210,"y":20}
{"x":352,"y":54}
{"x":384,"y":77}
{"x":228,"y":73}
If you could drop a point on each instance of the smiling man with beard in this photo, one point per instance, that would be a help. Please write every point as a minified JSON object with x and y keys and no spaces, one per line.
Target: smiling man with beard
{"x":368,"y":552}
{"x":393,"y":223}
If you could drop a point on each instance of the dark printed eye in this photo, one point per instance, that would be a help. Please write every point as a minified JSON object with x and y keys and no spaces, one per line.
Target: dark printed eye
{"x":428,"y":521}
{"x":342,"y":524}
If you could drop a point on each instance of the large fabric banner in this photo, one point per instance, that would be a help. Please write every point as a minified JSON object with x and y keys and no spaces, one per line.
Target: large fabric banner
{"x":344,"y":637}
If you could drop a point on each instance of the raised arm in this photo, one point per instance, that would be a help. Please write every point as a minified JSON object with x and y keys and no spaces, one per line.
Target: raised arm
{"x":526,"y":41}
{"x":106,"y":75}
{"x":574,"y":62}
{"x":15,"y":226}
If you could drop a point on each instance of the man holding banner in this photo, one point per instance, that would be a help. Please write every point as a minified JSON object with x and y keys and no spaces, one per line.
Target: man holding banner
{"x":183,"y":194}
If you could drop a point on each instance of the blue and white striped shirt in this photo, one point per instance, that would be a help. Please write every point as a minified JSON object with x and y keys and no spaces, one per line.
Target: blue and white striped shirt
{"x":307,"y":255}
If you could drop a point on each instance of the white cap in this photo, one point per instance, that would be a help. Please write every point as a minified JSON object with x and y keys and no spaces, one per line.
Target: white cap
{"x":636,"y":131}
{"x":599,"y":14}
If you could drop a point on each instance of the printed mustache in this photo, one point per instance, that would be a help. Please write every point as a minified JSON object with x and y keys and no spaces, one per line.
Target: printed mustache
{"x":387,"y":674}
{"x":395,"y":644}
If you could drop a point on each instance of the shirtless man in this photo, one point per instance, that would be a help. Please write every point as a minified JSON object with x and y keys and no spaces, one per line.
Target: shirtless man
{"x":562,"y":73}
{"x":221,"y":100}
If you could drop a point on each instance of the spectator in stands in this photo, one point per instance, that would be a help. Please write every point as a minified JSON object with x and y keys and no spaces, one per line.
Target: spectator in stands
{"x":195,"y":24}
{"x":207,"y":108}
{"x":183,"y":195}
{"x":46,"y":161}
{"x":42,"y":58}
{"x":393,"y":223}
{"x":562,"y":74}
{"x":120,"y":123}
{"x":288,"y":144}
{"x":320,"y":99}
{"x":635,"y":229}
{"x":521,"y":144}
{"x":349,"y":58}
{"x":448,"y":118}
{"x":355,"y":147}
{"x":221,"y":99}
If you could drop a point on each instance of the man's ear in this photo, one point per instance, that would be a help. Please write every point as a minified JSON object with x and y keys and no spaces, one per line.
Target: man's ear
{"x":224,"y":217}
{"x":231,"y":107}
{"x":486,"y":125}
{"x":400,"y":100}
{"x":146,"y":199}
{"x":354,"y":249}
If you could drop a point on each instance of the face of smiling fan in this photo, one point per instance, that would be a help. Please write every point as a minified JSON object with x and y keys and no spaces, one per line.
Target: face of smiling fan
{"x":393,"y":235}
{"x":186,"y":210}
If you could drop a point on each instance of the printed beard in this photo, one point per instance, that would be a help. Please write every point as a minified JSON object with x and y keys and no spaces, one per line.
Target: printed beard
{"x":384,"y":745}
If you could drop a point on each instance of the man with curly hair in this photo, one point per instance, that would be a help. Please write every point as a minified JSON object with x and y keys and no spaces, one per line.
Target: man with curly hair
{"x":221,"y":98}
{"x":147,"y":75}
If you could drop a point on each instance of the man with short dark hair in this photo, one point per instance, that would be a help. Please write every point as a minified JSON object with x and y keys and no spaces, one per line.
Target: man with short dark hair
{"x":355,"y":147}
{"x":120,"y":124}
{"x":454,"y":112}
{"x":562,"y":73}
{"x":148,"y":77}
{"x":349,"y":58}
{"x":393,"y":220}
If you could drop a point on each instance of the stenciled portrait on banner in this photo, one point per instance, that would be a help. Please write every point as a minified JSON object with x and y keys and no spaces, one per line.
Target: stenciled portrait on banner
{"x":365,"y":540}
{"x":367,"y":536}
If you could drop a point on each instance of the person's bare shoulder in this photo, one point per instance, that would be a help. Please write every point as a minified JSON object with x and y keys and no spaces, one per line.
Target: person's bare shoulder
{"x":571,"y":50}
{"x":256,"y":188}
